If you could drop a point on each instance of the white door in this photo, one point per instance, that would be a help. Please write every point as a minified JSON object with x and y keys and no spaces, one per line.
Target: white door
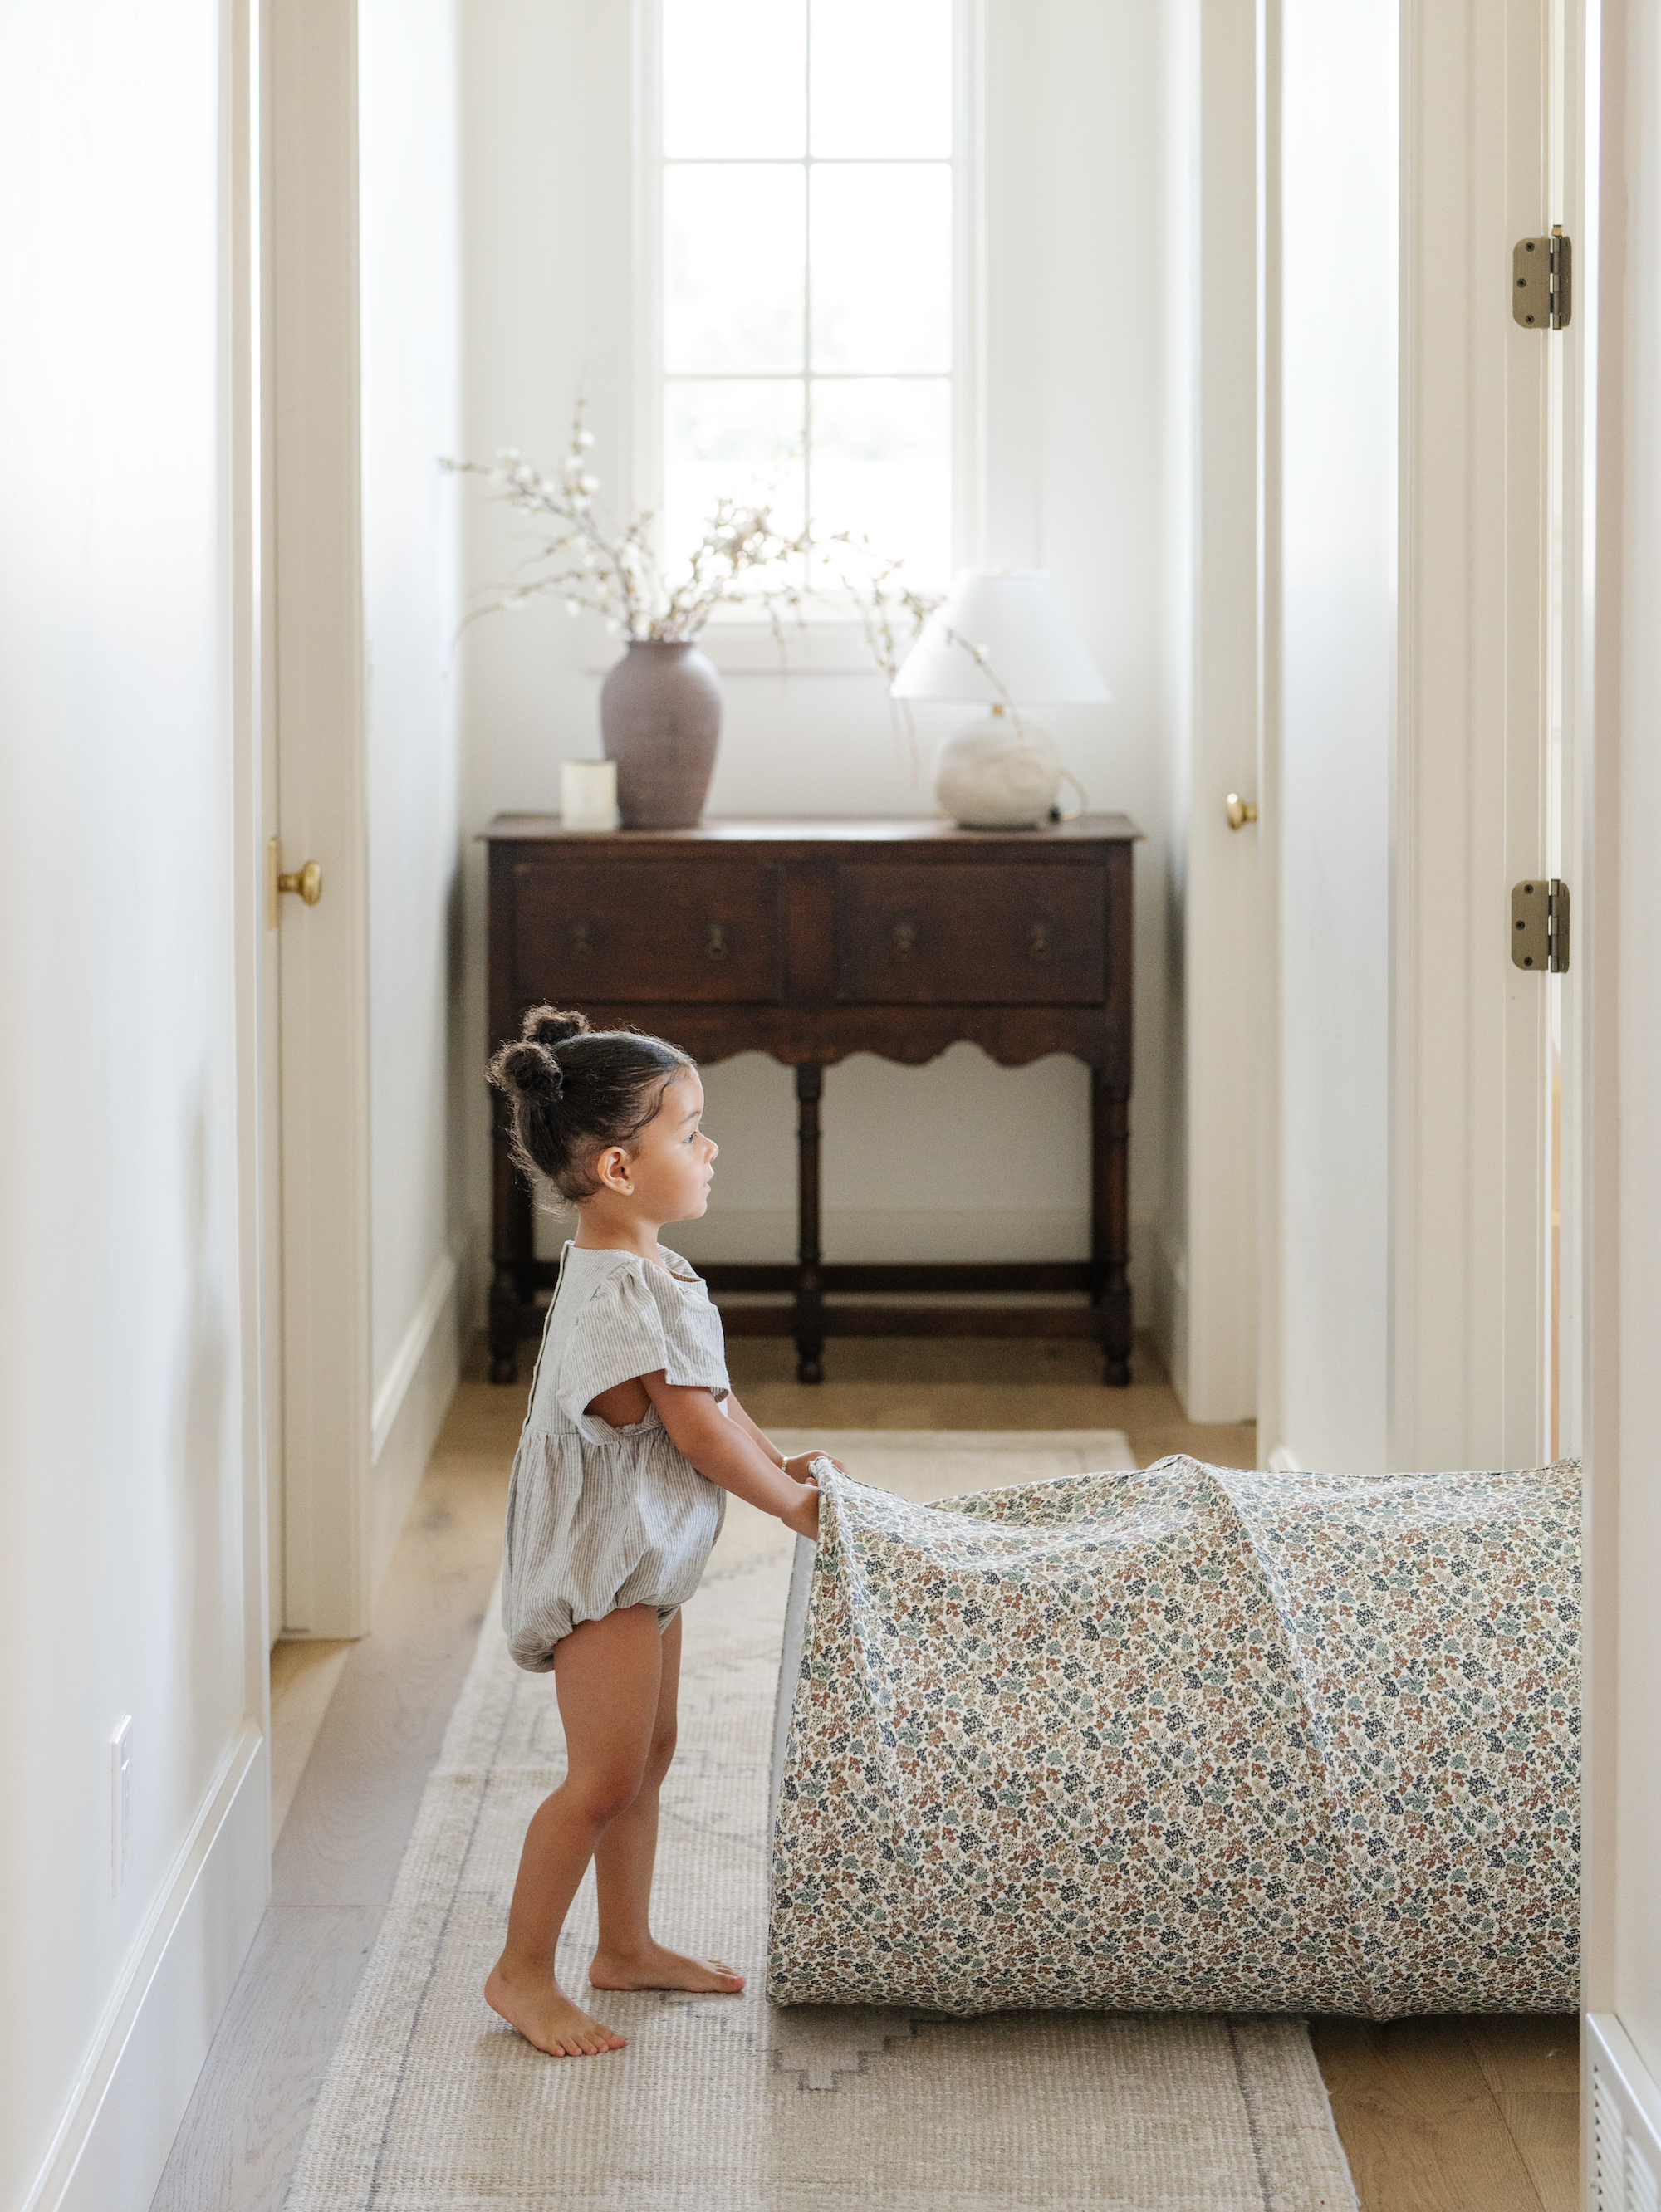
{"x":1212,"y":1297}
{"x":318,"y":815}
{"x":1414,"y":644}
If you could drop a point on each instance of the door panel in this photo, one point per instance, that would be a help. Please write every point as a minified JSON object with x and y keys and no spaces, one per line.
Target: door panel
{"x":320,"y":665}
{"x":1413,"y":602}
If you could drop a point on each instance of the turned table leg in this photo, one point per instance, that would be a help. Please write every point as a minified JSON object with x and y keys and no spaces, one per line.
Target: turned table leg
{"x":1110,"y":1226}
{"x":504,"y":1322}
{"x":513,"y":1256}
{"x":809,"y":1317}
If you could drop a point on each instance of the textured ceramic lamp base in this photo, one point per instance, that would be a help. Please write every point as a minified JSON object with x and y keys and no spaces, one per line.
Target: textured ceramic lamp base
{"x":996,"y":775}
{"x":660,"y":719}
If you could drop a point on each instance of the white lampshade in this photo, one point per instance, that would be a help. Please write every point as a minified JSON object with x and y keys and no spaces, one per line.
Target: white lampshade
{"x":1029,"y":637}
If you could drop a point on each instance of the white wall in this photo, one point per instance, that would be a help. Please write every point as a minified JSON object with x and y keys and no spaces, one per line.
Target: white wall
{"x":130,"y":1501}
{"x":409,"y":369}
{"x":1074,"y":399}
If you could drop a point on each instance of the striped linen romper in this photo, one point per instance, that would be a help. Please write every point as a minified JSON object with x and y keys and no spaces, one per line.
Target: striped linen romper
{"x":598,"y":1517}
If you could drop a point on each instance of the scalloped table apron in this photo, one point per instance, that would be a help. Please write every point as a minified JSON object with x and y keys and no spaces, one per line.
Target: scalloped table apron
{"x":1185,"y":1739}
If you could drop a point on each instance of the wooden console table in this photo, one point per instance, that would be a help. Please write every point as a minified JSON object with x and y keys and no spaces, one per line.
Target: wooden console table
{"x":810,"y":940}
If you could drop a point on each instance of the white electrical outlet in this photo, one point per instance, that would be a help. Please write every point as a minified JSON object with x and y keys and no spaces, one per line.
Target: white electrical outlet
{"x":120,"y":1804}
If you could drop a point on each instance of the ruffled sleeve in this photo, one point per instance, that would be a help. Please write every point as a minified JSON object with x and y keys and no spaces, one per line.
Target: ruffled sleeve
{"x":632,"y":1326}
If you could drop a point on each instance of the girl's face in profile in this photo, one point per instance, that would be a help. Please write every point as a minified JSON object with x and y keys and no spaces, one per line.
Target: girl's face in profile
{"x":667,"y":1173}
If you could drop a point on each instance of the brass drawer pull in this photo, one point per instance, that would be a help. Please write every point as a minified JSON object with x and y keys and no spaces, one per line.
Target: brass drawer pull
{"x":579,"y":940}
{"x":715,"y":946}
{"x":1040,"y":941}
{"x":905,"y":937}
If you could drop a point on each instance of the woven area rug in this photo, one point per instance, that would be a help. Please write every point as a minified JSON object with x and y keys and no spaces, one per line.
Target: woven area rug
{"x":728,"y":2105}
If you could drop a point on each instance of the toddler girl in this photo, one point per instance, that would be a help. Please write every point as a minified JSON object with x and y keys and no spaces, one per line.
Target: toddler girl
{"x":632,"y":1439}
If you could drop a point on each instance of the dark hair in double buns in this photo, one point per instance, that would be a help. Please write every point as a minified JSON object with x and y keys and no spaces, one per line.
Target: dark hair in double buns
{"x":575,"y":1090}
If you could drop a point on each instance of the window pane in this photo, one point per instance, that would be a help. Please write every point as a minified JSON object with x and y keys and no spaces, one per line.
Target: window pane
{"x":733,"y":240}
{"x":881,"y":255}
{"x":882,"y":78}
{"x":882,"y":469}
{"x":729,"y":440}
{"x":733,"y":78}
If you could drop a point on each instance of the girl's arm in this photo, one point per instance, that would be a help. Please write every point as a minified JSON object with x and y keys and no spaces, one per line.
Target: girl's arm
{"x":797,"y":1468}
{"x":724,"y":1451}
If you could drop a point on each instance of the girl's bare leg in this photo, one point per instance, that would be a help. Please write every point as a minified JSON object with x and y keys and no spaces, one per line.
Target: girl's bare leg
{"x":629,"y":1957}
{"x":609,"y":1677}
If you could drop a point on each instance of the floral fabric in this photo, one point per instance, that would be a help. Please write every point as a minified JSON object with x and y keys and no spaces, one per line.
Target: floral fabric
{"x":1188,"y":1739}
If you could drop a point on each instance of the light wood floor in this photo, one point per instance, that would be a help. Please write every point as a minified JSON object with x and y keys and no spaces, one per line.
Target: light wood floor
{"x":304,"y":1678}
{"x":973,"y":1382}
{"x":350,"y":1815}
{"x":1441,"y":2115}
{"x":1457,"y":2115}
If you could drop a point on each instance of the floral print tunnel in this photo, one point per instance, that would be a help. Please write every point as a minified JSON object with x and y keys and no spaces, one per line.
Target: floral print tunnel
{"x":1186,"y":1739}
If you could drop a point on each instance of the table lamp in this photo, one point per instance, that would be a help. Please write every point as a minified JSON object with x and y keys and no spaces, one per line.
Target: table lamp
{"x":1000,"y":773}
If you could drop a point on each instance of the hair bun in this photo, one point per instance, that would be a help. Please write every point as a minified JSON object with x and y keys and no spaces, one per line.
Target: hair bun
{"x":548,"y":1027}
{"x":528,"y":1069}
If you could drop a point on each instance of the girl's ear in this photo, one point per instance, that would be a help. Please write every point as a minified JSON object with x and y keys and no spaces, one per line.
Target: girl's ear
{"x":612,"y":1169}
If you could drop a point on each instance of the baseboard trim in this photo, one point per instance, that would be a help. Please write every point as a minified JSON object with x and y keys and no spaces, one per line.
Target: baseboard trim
{"x":406,"y":1360}
{"x":1621,"y":2116}
{"x":131,"y":2092}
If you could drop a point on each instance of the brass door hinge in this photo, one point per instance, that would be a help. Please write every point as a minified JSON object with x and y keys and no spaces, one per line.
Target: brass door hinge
{"x":1540,"y":925}
{"x":1541,"y":286}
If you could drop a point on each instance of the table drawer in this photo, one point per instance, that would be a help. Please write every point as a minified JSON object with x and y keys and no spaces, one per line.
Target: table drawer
{"x":654,"y":931}
{"x":980,"y":933}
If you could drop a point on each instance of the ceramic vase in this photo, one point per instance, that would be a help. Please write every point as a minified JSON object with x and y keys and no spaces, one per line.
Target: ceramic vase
{"x":659,"y":720}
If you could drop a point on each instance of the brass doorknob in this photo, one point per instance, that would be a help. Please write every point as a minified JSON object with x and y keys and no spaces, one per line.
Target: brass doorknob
{"x":1240,"y":810}
{"x":306,"y":882}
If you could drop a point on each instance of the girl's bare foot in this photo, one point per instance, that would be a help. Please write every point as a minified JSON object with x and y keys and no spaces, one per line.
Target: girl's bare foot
{"x":654,"y":1968}
{"x":544,"y":2016}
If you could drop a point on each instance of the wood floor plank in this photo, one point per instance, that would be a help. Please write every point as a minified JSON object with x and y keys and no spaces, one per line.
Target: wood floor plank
{"x":352,"y":1813}
{"x":945,"y":1383}
{"x":1420,"y":2127}
{"x":304,"y":1677}
{"x":1545,"y":2126}
{"x":1532,"y":2063}
{"x":1527,"y":2051}
{"x":340,"y":1847}
{"x":240,"y":2137}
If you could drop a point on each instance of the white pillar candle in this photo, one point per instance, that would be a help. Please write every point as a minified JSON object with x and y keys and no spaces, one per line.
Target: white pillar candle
{"x":588,"y":794}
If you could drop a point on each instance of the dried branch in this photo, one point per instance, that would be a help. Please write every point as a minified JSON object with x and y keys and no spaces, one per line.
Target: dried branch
{"x":593,"y":564}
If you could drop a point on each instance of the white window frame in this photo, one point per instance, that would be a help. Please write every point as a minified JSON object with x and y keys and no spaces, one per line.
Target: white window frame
{"x":832,"y":642}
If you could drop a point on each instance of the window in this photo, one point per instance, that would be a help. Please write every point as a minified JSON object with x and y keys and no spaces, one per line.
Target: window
{"x":810,"y":193}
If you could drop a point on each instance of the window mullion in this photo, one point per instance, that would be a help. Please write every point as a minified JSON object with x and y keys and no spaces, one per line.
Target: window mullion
{"x":860,"y":403}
